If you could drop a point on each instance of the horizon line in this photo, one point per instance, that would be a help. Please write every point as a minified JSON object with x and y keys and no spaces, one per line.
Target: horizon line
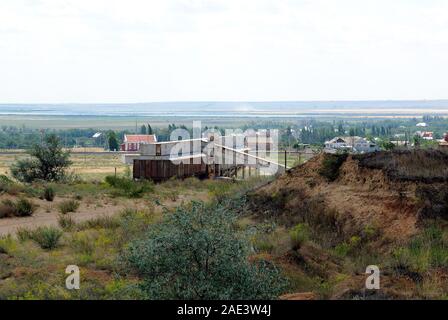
{"x":223,"y":101}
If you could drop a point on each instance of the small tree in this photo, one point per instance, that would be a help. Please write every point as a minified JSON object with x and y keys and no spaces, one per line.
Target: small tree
{"x":49,"y":162}
{"x":113,"y":141}
{"x":150,"y":129}
{"x":387,"y":145}
{"x":143,"y":129}
{"x":196,"y":253}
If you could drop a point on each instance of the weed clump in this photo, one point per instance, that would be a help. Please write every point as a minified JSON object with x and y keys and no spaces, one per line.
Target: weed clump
{"x":67,"y":206}
{"x":129,"y":188}
{"x":66,"y":222}
{"x":21,"y":208}
{"x":46,"y":237}
{"x":49,"y":194}
{"x":299,"y":235}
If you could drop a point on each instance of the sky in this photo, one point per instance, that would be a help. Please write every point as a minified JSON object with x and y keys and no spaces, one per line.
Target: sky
{"x":118,"y":51}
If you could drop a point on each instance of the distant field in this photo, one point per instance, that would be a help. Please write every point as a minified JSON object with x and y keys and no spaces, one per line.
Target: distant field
{"x":114,"y":122}
{"x":87,"y":166}
{"x":235,"y":121}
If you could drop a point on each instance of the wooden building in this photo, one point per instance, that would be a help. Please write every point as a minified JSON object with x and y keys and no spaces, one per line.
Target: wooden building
{"x":202,"y":158}
{"x":163,"y":160}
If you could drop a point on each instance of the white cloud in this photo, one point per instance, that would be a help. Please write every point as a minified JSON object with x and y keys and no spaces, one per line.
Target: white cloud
{"x":140,"y":50}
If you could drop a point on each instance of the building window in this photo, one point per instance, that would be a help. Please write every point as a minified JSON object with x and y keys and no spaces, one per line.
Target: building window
{"x":158,"y":150}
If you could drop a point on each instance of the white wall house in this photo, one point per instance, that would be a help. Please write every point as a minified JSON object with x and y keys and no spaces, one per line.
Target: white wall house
{"x":352,"y":144}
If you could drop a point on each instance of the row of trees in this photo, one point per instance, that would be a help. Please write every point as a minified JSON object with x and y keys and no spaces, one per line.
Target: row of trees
{"x":146,"y":129}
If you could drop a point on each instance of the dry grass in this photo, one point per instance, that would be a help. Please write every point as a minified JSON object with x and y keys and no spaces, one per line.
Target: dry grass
{"x":427,"y":165}
{"x":88,"y":167}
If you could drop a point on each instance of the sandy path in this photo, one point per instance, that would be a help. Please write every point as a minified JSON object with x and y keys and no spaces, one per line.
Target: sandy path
{"x":47,"y":213}
{"x":45,"y":217}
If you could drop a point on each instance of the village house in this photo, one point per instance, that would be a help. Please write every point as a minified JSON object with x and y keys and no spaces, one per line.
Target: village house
{"x":443,"y":144}
{"x":351,"y":144}
{"x":425,"y":135}
{"x":132,"y":142}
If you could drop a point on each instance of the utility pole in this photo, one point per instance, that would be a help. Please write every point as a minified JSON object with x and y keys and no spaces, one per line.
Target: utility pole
{"x":286,"y":161}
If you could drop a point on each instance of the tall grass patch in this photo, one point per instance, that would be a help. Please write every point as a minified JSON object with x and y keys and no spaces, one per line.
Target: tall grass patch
{"x":127,"y":187}
{"x":46,"y":237}
{"x":67,"y":206}
{"x":20,"y":208}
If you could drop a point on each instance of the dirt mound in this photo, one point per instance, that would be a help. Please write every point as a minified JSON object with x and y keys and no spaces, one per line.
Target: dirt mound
{"x":382,"y":192}
{"x":388,"y":209}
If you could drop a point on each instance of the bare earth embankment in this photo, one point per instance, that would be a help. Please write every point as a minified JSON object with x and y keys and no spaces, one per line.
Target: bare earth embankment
{"x":347,"y":212}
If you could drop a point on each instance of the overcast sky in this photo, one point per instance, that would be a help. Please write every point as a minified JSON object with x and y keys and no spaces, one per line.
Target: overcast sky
{"x":247,"y":50}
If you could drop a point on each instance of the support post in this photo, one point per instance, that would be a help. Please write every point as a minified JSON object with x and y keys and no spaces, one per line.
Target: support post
{"x":286,"y":160}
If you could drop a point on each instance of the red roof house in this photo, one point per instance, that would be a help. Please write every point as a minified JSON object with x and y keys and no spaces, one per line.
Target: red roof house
{"x":427,"y":135}
{"x":132,"y":142}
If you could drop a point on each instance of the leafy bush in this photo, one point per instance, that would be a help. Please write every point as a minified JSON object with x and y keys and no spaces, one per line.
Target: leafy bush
{"x":49,"y":194}
{"x":197,"y":253}
{"x":331,"y":164}
{"x":128,"y":187}
{"x":48,"y":162}
{"x":299,"y":235}
{"x":46,"y":237}
{"x":67,"y":206}
{"x":26,"y":170}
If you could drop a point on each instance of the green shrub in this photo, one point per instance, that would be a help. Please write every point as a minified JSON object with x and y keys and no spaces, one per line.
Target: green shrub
{"x":348,"y":247}
{"x":67,"y":206}
{"x":46,"y":237}
{"x":299,"y":235}
{"x":49,"y":194}
{"x":197,"y":253}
